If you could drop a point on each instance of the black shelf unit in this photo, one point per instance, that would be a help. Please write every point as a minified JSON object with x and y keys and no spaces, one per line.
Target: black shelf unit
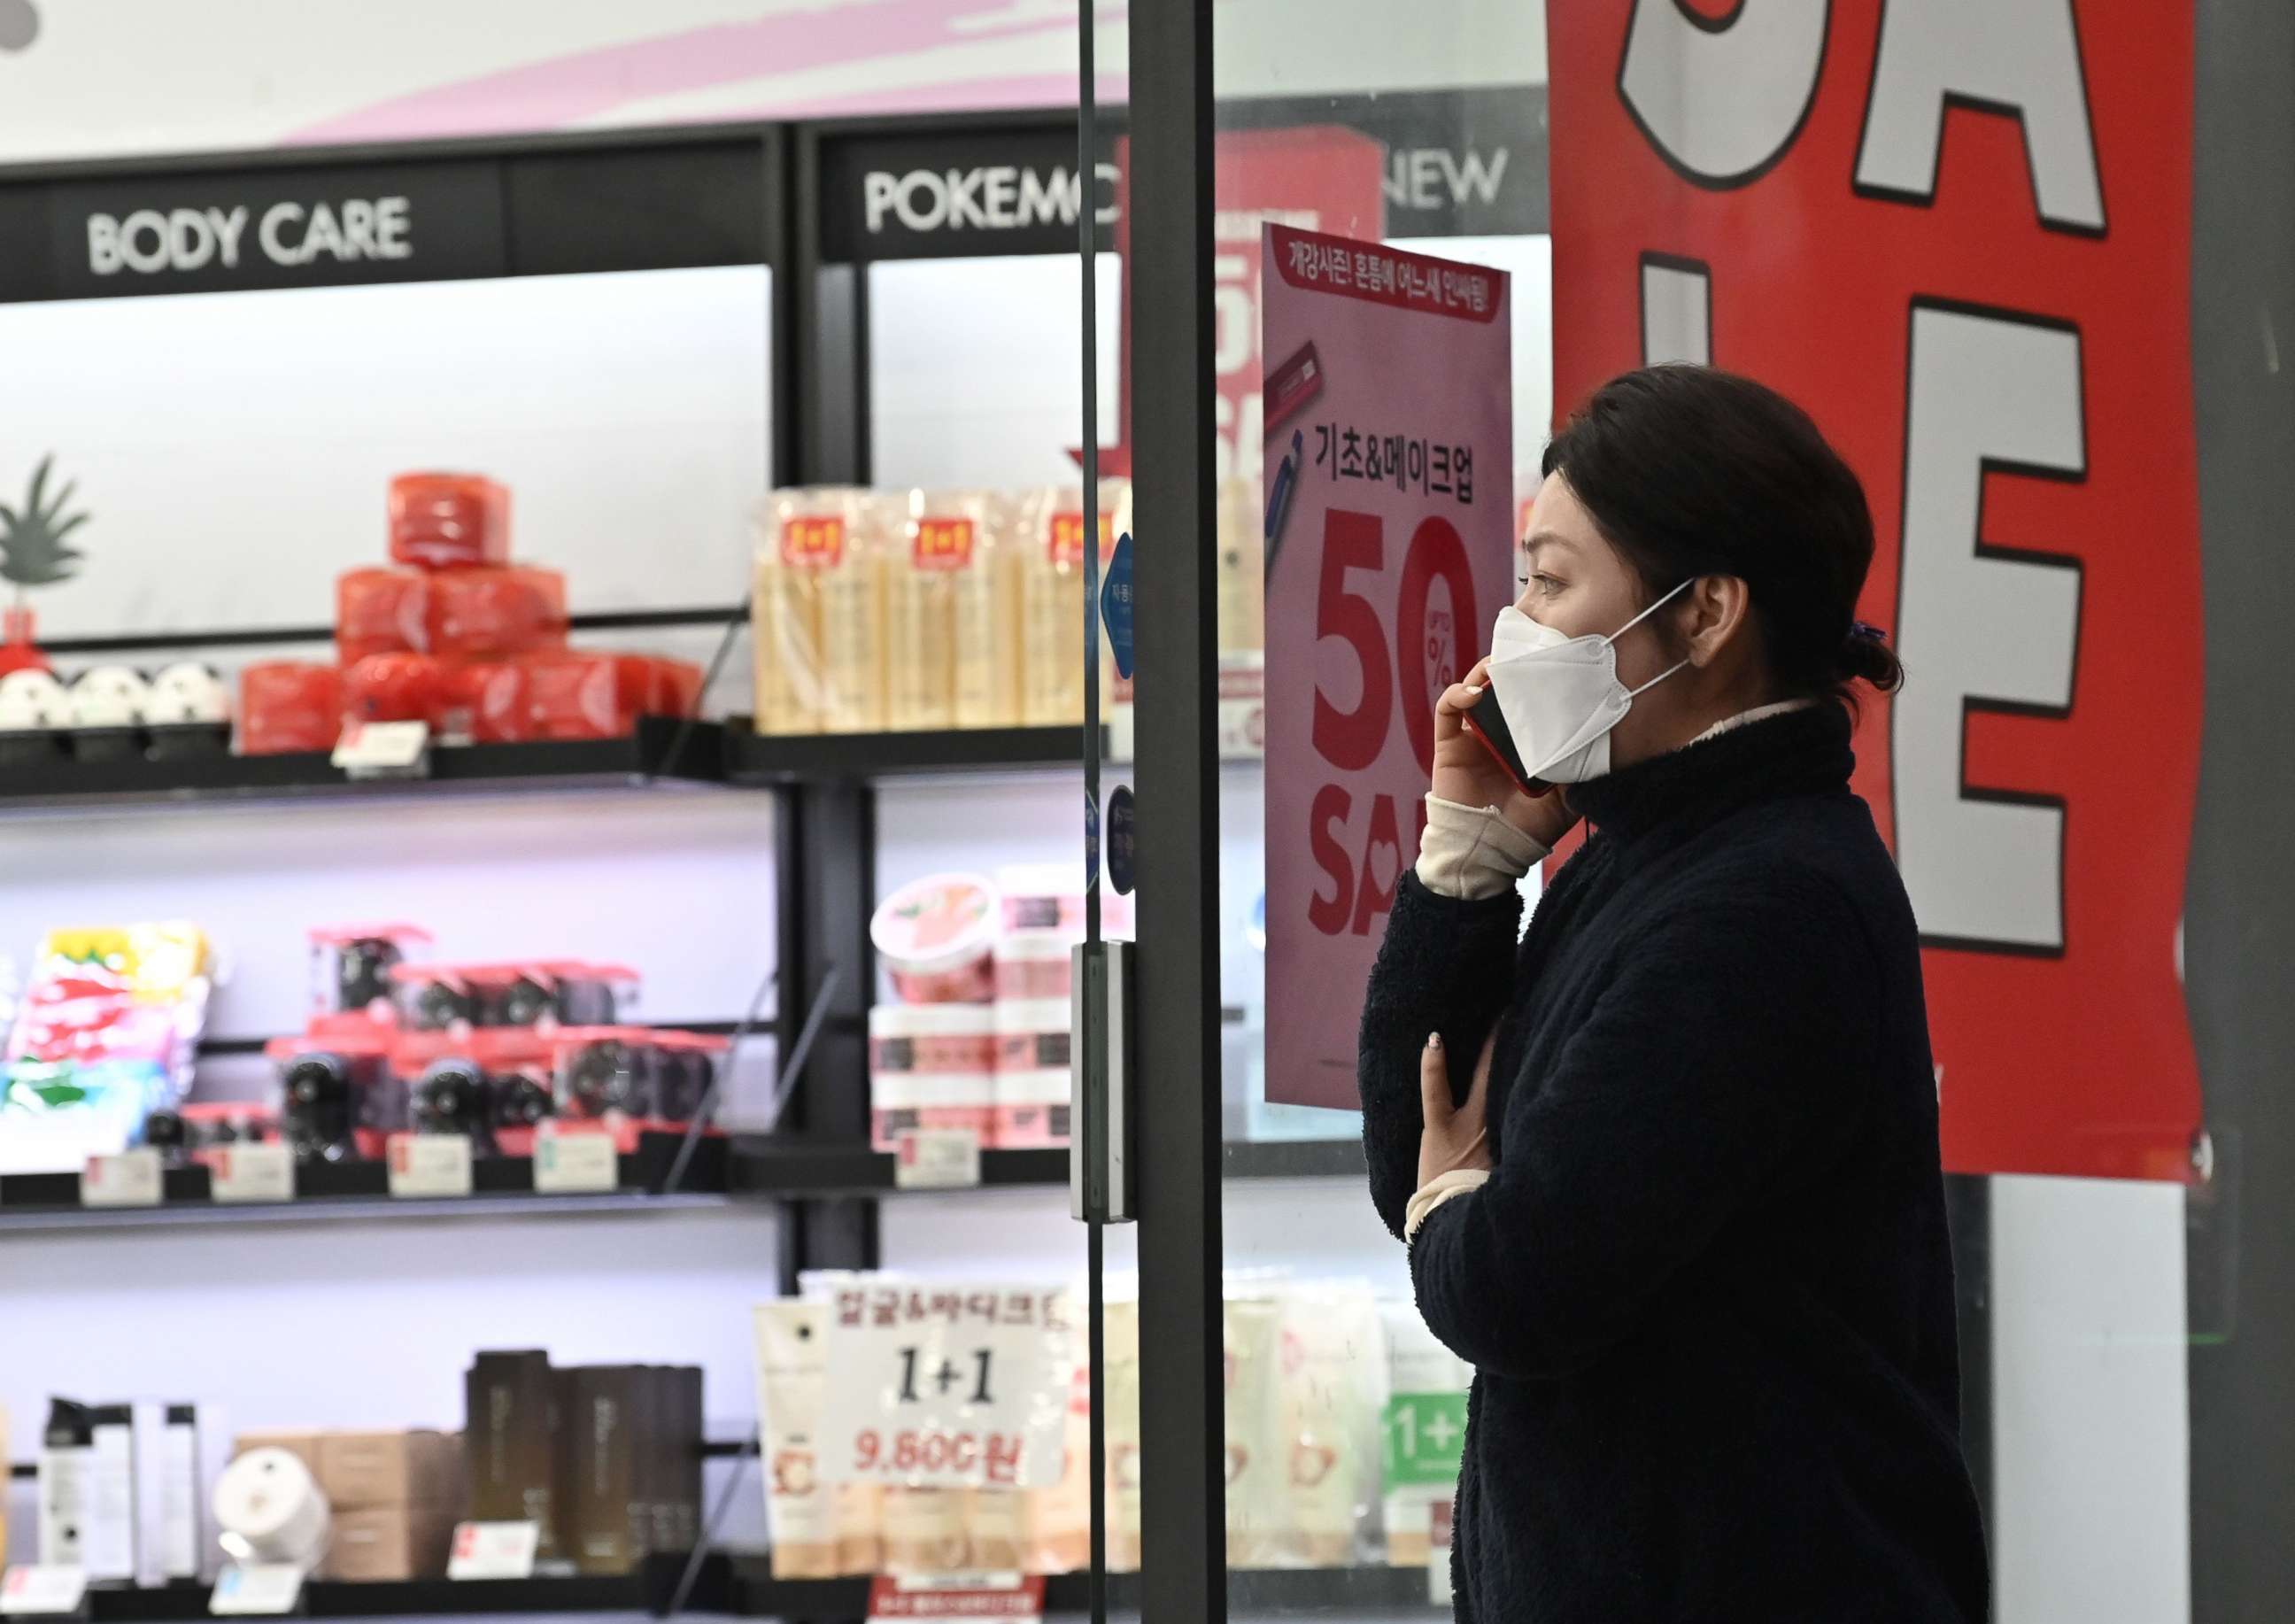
{"x":789,"y":198}
{"x":501,"y":1185}
{"x":661,"y":751}
{"x":755,"y":758}
{"x":644,"y":1592}
{"x":1387,"y":1592}
{"x":742,"y":1585}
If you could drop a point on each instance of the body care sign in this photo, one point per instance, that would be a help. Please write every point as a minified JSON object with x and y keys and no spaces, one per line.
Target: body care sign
{"x":1389,"y":526}
{"x":288,"y":227}
{"x":947,"y":1386}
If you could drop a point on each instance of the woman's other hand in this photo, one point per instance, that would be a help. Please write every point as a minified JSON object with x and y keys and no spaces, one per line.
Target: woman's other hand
{"x":1454,"y":1137}
{"x":1467,"y":774}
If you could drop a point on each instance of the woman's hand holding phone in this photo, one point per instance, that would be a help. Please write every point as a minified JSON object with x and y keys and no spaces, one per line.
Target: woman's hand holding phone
{"x":1465,"y":771}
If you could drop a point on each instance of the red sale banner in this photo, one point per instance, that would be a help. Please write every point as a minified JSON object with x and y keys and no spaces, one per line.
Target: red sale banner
{"x":1390,"y":504}
{"x":1959,"y":236}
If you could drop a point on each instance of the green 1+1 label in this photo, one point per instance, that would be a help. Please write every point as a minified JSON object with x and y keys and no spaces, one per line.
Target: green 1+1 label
{"x":1426,"y":1434}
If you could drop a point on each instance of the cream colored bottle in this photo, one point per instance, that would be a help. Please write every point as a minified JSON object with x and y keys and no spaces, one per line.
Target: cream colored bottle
{"x":987,"y":614}
{"x":849,"y":593}
{"x":927,"y":549}
{"x":1052,"y":599}
{"x":785,"y":634}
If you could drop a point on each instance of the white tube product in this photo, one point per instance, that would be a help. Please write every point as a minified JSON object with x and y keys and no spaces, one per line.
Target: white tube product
{"x":108,"y":1533}
{"x":268,"y":1508}
{"x":792,"y":1372}
{"x":1032,"y":1073}
{"x":179,"y":1493}
{"x":67,"y":1460}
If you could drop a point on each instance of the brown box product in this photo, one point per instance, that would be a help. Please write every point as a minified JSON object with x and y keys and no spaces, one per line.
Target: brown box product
{"x":602,"y":1520}
{"x":685,"y":1462}
{"x":375,"y":1543}
{"x":407,"y":1467}
{"x":657,"y":1458}
{"x":510,"y":1443}
{"x":302,"y":1446}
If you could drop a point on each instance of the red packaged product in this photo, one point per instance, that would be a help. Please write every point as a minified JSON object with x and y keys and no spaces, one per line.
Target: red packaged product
{"x":587,"y":696}
{"x":626,"y":1080}
{"x":482,"y":613}
{"x":677,"y":688}
{"x":449,"y":521}
{"x":379,"y":611}
{"x":394,"y":688}
{"x":484,"y":704}
{"x":350,"y":974}
{"x":288,"y":706}
{"x":339,"y":1098}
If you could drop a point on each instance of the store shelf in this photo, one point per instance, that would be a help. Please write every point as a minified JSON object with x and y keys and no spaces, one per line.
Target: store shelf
{"x":743,"y":1586}
{"x":359,"y":1191}
{"x":1294,"y":1159}
{"x":639,"y":1595}
{"x":640,"y":759}
{"x":763,"y":1169}
{"x":753,"y":758}
{"x":1251,"y":1592}
{"x":766,"y":1169}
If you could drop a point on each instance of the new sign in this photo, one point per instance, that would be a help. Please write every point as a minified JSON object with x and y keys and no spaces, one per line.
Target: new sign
{"x":1960,"y":236}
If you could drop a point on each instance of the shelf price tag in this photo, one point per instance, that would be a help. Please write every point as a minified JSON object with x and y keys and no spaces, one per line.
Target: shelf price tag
{"x":936,"y":1159}
{"x":43,"y":1590}
{"x":423,"y":1165}
{"x":385,"y":750}
{"x":252,"y":1172}
{"x":575,"y":1163}
{"x":494,"y":1550}
{"x":1007,"y":1596}
{"x":129,"y":1179}
{"x":947,"y":1386}
{"x":257,"y":1588}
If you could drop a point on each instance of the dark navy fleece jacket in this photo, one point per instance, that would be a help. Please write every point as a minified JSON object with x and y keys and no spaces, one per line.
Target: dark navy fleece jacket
{"x":1707,"y":1290}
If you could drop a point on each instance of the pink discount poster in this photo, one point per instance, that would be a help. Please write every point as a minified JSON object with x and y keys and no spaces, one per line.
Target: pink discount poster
{"x":1388,"y":402}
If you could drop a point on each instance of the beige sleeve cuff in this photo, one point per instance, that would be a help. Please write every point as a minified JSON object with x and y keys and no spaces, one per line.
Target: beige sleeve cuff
{"x":1442,"y":1187}
{"x":1473,"y":853}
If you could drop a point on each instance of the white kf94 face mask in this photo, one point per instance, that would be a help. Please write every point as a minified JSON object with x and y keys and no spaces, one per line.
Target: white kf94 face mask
{"x":1561,"y":696}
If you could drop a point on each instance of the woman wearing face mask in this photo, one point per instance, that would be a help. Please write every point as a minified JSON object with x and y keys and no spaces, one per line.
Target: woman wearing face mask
{"x":1667,"y":1165}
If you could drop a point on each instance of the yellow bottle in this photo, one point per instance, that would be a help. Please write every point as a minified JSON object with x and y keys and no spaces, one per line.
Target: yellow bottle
{"x":1051,"y":571}
{"x":986,"y":616}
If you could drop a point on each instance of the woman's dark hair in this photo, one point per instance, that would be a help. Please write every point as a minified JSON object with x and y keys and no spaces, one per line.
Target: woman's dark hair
{"x":1691,"y":471}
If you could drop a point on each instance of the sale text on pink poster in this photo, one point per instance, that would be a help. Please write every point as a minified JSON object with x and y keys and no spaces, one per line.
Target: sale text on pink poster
{"x":1389,"y":418}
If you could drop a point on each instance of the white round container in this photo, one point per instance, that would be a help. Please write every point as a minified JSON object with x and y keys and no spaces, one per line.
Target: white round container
{"x":935,"y":936}
{"x":268,"y":1508}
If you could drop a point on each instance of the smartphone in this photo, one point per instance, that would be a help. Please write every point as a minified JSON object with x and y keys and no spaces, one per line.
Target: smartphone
{"x":1486,"y":723}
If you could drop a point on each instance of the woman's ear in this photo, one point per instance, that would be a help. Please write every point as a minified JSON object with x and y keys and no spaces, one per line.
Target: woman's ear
{"x":1718,"y":618}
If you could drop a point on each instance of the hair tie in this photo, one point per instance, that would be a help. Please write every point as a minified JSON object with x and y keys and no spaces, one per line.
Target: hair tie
{"x":1862,"y":631}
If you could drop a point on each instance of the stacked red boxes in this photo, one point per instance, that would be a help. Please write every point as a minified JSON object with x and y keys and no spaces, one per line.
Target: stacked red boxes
{"x":455,"y":634}
{"x":498,"y":1052}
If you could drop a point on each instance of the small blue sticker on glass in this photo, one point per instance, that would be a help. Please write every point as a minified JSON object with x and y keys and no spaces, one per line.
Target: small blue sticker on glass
{"x":1116,"y":604}
{"x":1120,"y":869}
